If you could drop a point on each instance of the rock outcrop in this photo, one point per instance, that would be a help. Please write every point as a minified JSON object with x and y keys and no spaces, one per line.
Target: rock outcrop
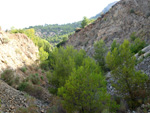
{"x":16,"y":52}
{"x":124,"y":18}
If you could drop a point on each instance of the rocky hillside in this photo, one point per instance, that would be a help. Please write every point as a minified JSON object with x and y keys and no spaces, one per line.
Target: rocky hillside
{"x":19,"y":54}
{"x":12,"y":100}
{"x":17,"y":51}
{"x":124,"y":18}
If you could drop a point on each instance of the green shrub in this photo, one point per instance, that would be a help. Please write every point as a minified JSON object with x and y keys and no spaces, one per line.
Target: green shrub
{"x":100,"y":53}
{"x":44,"y":65}
{"x":29,"y":109}
{"x":8,"y":76}
{"x":137,"y":45}
{"x":13,"y":30}
{"x":42,"y":78}
{"x":133,"y":36}
{"x":23,"y":69}
{"x":63,"y":61}
{"x":32,"y":90}
{"x":0,"y":103}
{"x":35,"y":79}
{"x":85,"y":90}
{"x":114,"y":45}
{"x":22,"y":86}
{"x":132,"y":11}
{"x":129,"y":82}
{"x":140,"y":53}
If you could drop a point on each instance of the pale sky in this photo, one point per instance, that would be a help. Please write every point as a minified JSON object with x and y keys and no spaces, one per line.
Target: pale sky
{"x":25,"y":13}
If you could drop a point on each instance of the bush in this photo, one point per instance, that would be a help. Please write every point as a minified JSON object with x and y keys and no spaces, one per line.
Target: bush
{"x":128,"y":82}
{"x":35,"y":79}
{"x":23,"y":69}
{"x":8,"y":76}
{"x":63,"y":61}
{"x":137,"y":45}
{"x":32,"y":90}
{"x":140,"y":53}
{"x":85,"y":90}
{"x":132,"y":36}
{"x":22,"y":86}
{"x":30,"y":109}
{"x":114,"y":45}
{"x":44,"y":65}
{"x":132,"y":11}
{"x":100,"y":53}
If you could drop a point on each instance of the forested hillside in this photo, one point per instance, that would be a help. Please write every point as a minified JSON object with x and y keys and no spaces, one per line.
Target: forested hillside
{"x":55,"y":33}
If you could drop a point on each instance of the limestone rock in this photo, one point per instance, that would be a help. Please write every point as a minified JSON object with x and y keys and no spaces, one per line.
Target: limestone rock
{"x":118,"y":24}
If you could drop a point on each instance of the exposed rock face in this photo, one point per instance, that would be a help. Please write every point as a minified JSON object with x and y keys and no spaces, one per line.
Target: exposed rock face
{"x":126,"y":17}
{"x":18,"y":51}
{"x":144,"y":66}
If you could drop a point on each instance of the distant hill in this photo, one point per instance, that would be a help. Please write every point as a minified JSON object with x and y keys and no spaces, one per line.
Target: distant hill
{"x":105,"y":10}
{"x":55,"y":33}
{"x":50,"y":30}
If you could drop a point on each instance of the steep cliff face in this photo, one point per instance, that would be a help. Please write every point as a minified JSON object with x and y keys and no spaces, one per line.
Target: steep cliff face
{"x":18,"y":51}
{"x":124,"y":18}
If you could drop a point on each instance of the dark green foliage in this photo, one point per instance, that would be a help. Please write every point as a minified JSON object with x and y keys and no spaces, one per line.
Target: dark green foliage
{"x":133,"y":36}
{"x":32,"y":90}
{"x":85,"y":90}
{"x":114,"y":45}
{"x":42,"y":78}
{"x":63,"y":61}
{"x":62,"y":42}
{"x":86,"y":21}
{"x":140,"y":53}
{"x":57,"y":29}
{"x":55,"y":33}
{"x":13,"y":30}
{"x":8,"y":76}
{"x":132,"y":11}
{"x":35,"y":79}
{"x":22,"y":86}
{"x":44,"y":65}
{"x":137,"y":45}
{"x":128,"y":82}
{"x":100,"y":53}
{"x":24,"y":69}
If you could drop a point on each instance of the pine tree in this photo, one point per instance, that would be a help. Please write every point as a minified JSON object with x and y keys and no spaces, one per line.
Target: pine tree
{"x":100,"y":53}
{"x":127,"y":81}
{"x":85,"y":90}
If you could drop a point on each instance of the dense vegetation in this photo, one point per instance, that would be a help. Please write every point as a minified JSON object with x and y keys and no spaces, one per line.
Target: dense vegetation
{"x":128,"y":82}
{"x":56,"y":33}
{"x":79,"y":82}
